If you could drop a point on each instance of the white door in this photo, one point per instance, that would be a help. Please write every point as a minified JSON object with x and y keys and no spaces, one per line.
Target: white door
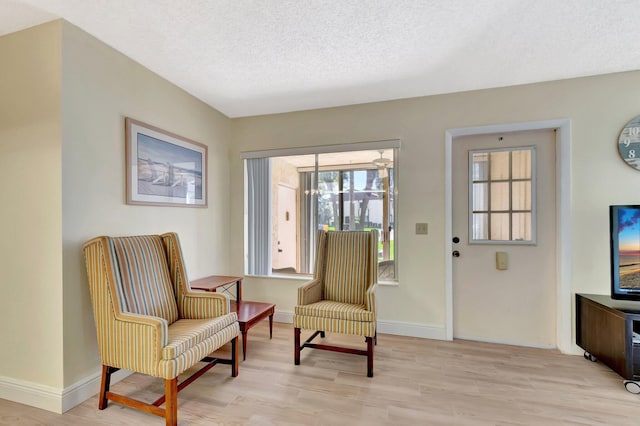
{"x":516,"y":305}
{"x":285,"y":253}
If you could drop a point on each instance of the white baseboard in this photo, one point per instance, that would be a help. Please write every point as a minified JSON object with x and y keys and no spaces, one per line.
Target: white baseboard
{"x":388,"y":327}
{"x":86,"y":388}
{"x":283,"y":316}
{"x":424,"y":331}
{"x":508,"y":342}
{"x":50,"y":398}
{"x":29,"y":393}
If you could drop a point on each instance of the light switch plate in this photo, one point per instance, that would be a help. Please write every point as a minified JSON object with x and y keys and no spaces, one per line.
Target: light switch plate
{"x":422,"y":228}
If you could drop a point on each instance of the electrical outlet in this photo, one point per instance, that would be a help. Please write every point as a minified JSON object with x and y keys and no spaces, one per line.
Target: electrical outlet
{"x":422,"y":228}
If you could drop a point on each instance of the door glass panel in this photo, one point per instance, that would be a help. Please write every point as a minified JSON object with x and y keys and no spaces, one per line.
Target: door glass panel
{"x":480,"y":226}
{"x":500,"y":226}
{"x":521,"y":226}
{"x":521,"y":164}
{"x":521,"y":192}
{"x":500,"y":196}
{"x":327,"y":197}
{"x":480,"y":166}
{"x":354,"y":195}
{"x":480,"y":196}
{"x":363,"y":196}
{"x":500,"y":165}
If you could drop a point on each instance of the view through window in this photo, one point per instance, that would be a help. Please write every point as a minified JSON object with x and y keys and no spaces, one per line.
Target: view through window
{"x":289,"y":197}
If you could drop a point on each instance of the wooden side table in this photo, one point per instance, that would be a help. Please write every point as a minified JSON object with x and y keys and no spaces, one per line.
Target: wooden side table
{"x":249,"y":313}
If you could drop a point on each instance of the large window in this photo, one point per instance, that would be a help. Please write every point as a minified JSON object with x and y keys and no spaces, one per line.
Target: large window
{"x":502,"y":195}
{"x":290,"y":195}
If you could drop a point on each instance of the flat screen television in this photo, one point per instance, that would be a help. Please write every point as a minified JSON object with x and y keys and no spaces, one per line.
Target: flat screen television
{"x":625,"y":251}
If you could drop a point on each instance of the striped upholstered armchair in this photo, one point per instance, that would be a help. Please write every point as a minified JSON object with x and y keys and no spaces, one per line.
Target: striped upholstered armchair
{"x":149,"y":321}
{"x":341,"y":296}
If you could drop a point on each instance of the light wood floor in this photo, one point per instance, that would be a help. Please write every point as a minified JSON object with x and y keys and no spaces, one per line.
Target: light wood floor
{"x":417,"y":382}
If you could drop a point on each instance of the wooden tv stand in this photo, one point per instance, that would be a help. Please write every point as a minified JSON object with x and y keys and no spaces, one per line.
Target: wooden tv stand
{"x":604,"y":329}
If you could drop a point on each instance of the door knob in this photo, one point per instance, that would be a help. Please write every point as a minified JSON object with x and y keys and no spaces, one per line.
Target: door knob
{"x":456,"y":253}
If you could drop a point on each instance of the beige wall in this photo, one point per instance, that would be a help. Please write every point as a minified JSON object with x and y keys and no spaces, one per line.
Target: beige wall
{"x":99,"y":88}
{"x":64,"y":99}
{"x":31,"y":211}
{"x":598,"y":108}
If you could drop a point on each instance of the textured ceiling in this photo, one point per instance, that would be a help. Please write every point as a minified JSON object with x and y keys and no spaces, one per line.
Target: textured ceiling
{"x":250,"y":57}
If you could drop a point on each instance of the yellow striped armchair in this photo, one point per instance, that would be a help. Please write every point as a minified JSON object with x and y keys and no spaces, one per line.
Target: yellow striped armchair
{"x":149,"y":321}
{"x":341,"y":296}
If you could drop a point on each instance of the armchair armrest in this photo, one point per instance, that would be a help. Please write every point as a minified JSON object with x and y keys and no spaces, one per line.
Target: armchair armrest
{"x":201,"y":305}
{"x":370,"y":298}
{"x":310,"y":292}
{"x":147,"y":334}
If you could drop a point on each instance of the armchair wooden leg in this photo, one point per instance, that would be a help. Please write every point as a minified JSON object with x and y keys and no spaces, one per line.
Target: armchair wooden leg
{"x":235,"y":349}
{"x":296,"y":344}
{"x":171,"y":405}
{"x":104,"y":387}
{"x":369,"y":356}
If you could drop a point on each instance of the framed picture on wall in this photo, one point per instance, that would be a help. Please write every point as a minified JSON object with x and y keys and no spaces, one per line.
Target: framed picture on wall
{"x":163,"y":168}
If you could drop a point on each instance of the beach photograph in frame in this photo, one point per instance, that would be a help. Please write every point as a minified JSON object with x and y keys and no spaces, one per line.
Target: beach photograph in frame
{"x":164,"y":168}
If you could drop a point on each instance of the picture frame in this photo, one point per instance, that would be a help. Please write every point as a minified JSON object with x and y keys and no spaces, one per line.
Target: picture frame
{"x":163,"y":168}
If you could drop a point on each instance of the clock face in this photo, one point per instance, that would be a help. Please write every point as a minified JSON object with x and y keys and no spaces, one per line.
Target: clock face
{"x":629,"y":143}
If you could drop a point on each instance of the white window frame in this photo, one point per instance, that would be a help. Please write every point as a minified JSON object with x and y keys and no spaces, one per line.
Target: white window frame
{"x":360,"y":146}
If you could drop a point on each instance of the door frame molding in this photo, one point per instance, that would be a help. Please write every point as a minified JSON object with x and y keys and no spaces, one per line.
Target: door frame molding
{"x":563,"y":218}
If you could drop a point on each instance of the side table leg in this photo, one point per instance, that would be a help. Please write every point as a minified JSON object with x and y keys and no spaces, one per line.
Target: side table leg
{"x":271,"y":325}
{"x":244,"y":344}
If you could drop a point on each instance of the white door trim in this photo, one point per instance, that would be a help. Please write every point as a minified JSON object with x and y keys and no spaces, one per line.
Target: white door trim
{"x":563,"y":217}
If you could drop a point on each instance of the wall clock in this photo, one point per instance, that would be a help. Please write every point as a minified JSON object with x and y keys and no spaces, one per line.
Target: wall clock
{"x":629,"y":143}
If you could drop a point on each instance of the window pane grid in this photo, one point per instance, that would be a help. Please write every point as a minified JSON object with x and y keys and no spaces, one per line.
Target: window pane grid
{"x":501,"y":199}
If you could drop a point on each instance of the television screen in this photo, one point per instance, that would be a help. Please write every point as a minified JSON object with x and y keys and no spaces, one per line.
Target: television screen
{"x":625,"y":251}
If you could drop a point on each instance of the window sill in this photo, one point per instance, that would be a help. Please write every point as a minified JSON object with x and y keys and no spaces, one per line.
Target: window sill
{"x":310,"y":277}
{"x":283,"y":276}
